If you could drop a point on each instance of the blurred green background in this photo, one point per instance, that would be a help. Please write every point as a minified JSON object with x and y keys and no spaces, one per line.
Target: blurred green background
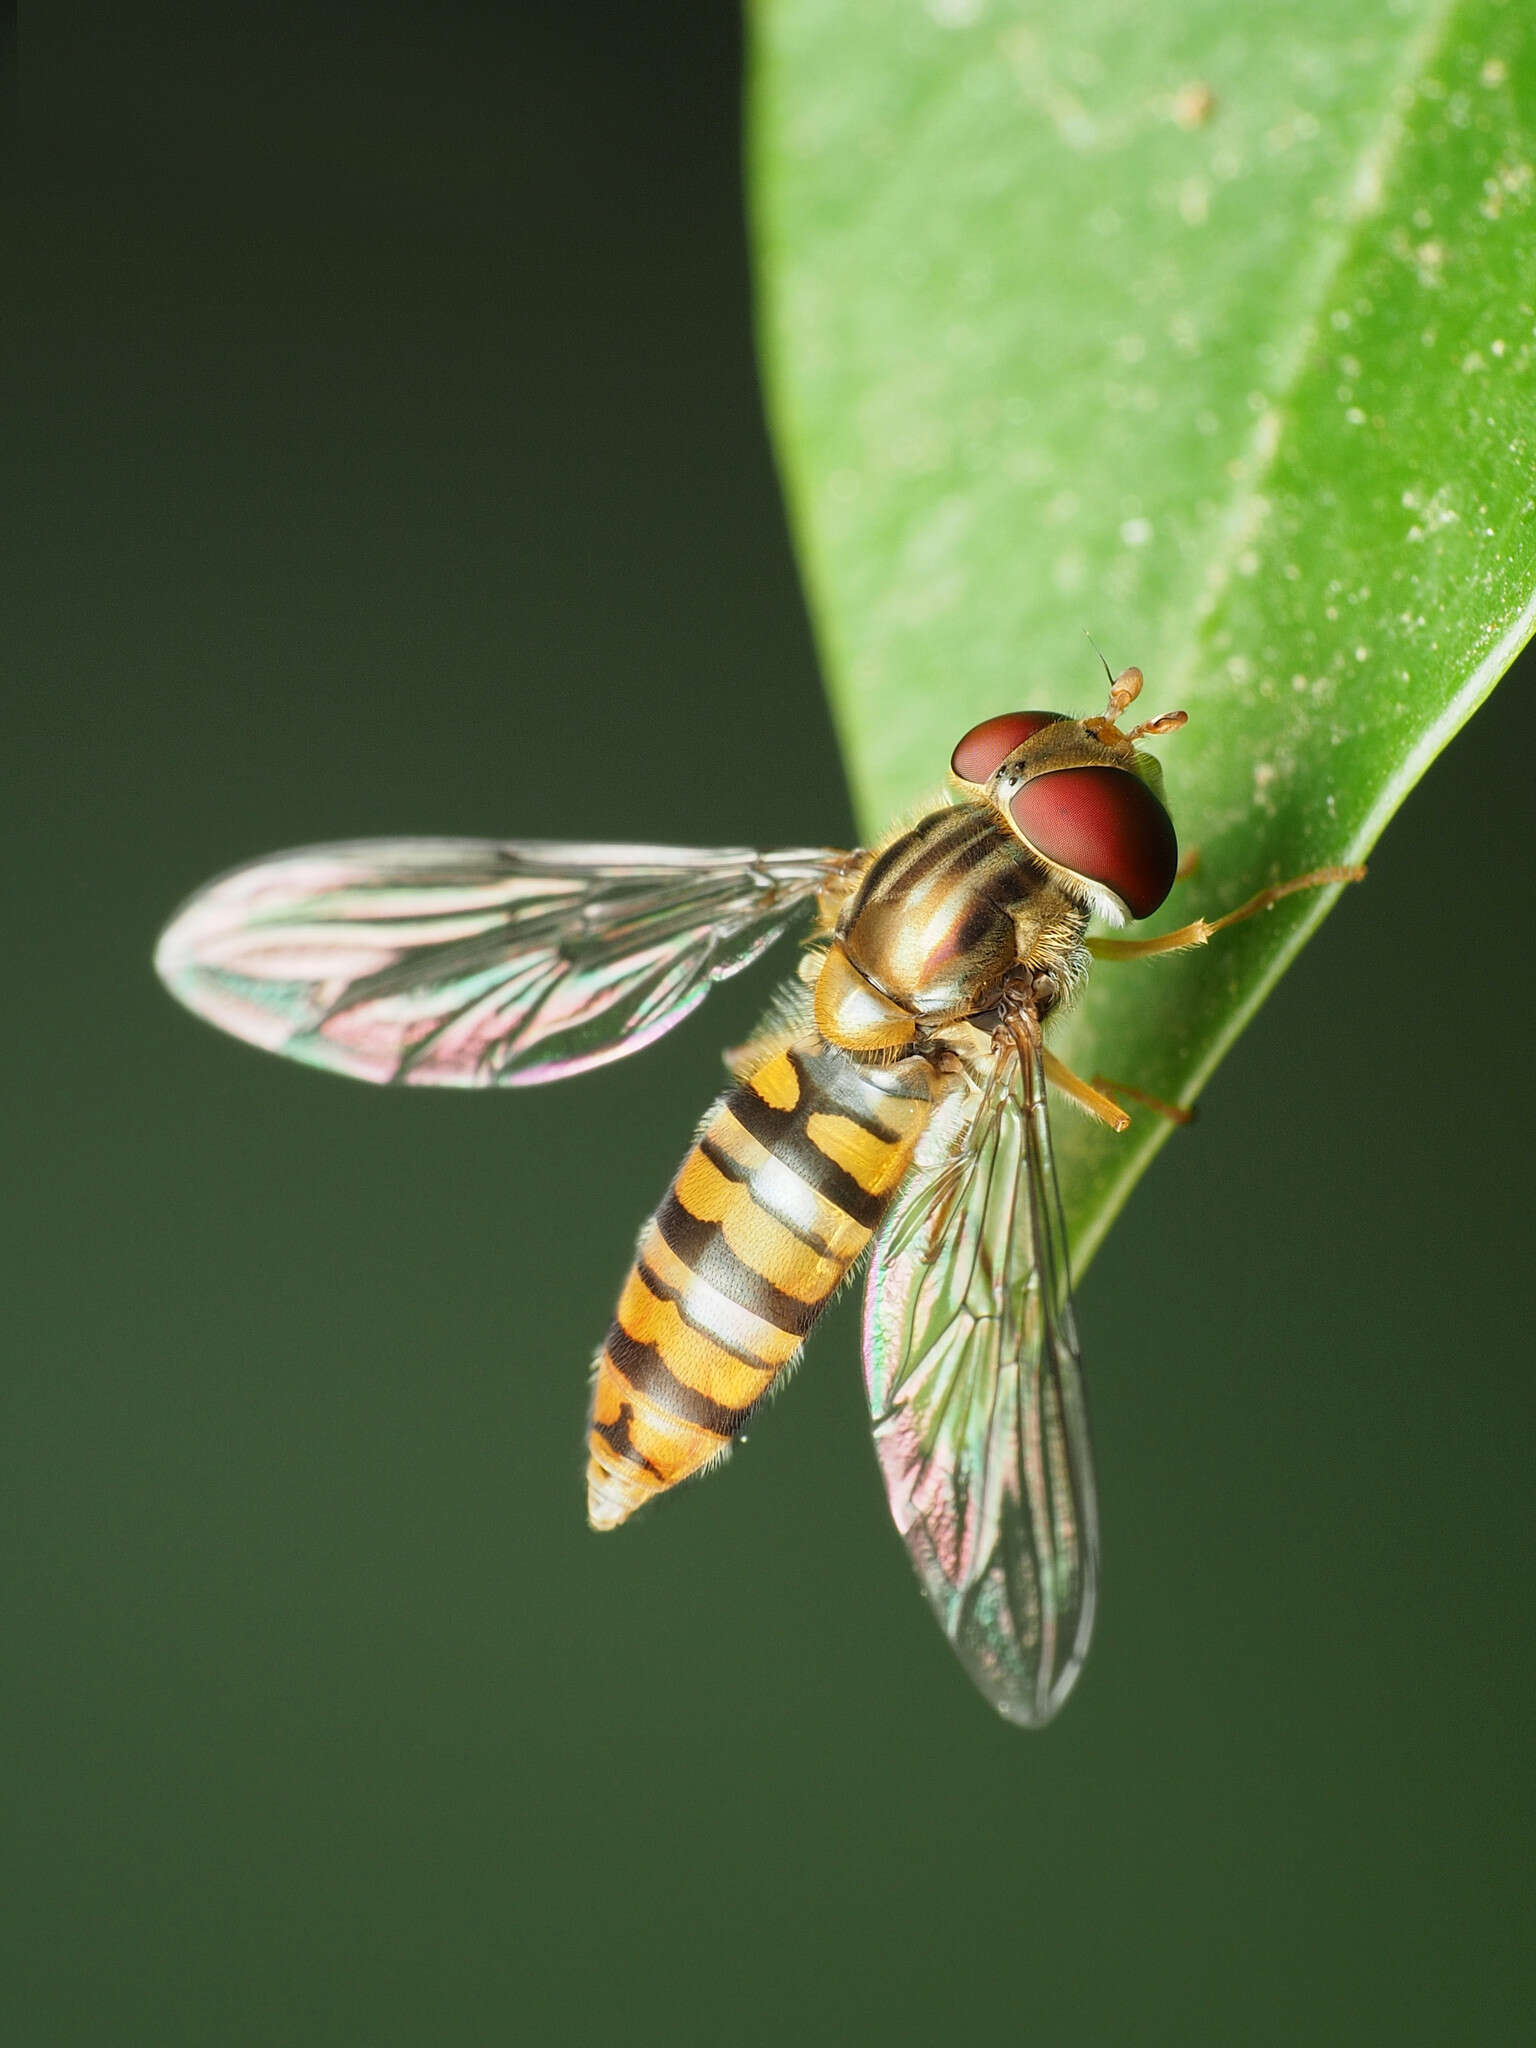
{"x":387,"y":456}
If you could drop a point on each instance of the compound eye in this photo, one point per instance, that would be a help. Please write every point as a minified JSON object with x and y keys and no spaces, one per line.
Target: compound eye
{"x":1105,"y":825}
{"x":985,"y":747}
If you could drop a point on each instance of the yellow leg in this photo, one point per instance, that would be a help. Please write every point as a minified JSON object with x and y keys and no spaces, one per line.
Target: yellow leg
{"x":1201,"y":932}
{"x":1084,"y":1093}
{"x":1174,"y":1111}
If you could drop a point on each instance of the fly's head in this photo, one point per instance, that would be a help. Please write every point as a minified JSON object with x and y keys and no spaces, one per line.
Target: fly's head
{"x":1083,"y":798}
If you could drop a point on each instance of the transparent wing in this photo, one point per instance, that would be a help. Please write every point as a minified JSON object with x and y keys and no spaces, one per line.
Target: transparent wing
{"x":975,"y":1391}
{"x":471,"y":962}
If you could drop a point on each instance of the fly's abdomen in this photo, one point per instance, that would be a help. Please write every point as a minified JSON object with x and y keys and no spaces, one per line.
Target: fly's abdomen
{"x":778,"y":1197}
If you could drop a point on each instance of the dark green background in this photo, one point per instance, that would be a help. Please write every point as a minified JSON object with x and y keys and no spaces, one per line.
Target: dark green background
{"x":387,"y":456}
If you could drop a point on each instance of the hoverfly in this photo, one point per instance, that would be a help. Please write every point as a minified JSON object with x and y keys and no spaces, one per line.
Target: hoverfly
{"x":895,"y":1104}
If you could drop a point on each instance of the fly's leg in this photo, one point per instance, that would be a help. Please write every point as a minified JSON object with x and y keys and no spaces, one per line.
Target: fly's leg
{"x":1175,"y":1112}
{"x":1086,"y":1094}
{"x":1199,"y":933}
{"x":1018,"y":1017}
{"x":1202,"y":931}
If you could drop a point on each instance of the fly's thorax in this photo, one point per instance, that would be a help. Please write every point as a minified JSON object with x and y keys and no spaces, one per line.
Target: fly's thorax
{"x":935,"y":929}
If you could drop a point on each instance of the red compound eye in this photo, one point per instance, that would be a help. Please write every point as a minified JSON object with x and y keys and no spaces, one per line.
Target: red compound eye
{"x":985,"y":746}
{"x":1106,"y":825}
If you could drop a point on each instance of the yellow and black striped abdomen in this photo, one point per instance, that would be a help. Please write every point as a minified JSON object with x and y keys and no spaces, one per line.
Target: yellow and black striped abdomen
{"x":782,"y":1191}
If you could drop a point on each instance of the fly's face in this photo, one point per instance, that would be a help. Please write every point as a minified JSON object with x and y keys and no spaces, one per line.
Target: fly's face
{"x":900,"y":1114}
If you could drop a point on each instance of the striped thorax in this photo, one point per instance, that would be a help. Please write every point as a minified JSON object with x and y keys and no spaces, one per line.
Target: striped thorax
{"x":939,"y":922}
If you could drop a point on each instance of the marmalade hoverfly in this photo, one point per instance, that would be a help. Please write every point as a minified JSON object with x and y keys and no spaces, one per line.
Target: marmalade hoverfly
{"x":895,"y":1102}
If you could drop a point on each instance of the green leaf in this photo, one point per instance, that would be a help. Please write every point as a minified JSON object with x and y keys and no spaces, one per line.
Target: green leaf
{"x":1208,"y":328}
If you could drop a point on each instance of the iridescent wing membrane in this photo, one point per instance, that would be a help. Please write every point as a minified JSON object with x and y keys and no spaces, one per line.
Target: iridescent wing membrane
{"x":472,"y":962}
{"x":975,"y":1391}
